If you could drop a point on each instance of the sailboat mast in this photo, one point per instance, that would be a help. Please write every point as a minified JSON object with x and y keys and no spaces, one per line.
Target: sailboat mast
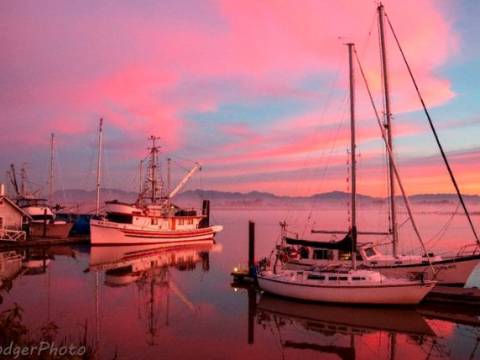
{"x":50,"y":178}
{"x":388,"y":127}
{"x":99,"y":161}
{"x":353,"y":229}
{"x":169,"y":164}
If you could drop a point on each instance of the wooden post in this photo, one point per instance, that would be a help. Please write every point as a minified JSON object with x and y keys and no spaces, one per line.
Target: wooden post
{"x":206,"y":212}
{"x":251,"y":248}
{"x":45,"y":223}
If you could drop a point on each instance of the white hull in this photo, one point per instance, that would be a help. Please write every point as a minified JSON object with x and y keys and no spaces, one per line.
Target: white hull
{"x":396,"y":293}
{"x":454,"y":271}
{"x":109,"y":233}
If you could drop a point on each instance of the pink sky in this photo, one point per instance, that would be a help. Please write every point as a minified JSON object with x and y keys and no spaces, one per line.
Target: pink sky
{"x":254,"y":90}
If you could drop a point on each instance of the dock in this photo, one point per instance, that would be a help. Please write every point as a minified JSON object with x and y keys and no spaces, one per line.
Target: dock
{"x":38,"y":242}
{"x":454,"y":295}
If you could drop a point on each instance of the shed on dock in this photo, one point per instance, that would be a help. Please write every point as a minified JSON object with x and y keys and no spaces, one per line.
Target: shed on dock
{"x":12,"y":219}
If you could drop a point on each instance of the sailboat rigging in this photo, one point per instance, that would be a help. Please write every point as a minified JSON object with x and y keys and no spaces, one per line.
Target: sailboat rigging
{"x":345,"y":284}
{"x":448,"y":270}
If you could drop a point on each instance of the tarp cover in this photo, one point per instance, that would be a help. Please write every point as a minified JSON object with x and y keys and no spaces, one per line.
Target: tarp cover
{"x":345,"y":244}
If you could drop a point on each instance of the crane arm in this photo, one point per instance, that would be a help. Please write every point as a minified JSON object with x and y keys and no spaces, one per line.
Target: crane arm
{"x":187,"y":177}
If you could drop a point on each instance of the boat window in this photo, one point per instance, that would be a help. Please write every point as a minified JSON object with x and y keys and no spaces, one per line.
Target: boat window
{"x":370,"y":252}
{"x":316,"y":277}
{"x":120,"y":218}
{"x":323,"y":254}
{"x":334,"y":278}
{"x":181,"y":221}
{"x":41,"y":217}
{"x":356,"y":278}
{"x":190,"y":221}
{"x":154,"y":221}
{"x":398,"y":262}
{"x":304,"y":252}
{"x":344,"y":255}
{"x":343,"y":278}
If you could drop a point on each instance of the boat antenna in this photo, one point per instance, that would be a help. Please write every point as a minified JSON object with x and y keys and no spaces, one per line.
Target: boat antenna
{"x":388,"y":127}
{"x":50,"y":179}
{"x":99,"y":161}
{"x":140,"y":168}
{"x":353,"y":228}
{"x":153,"y":167}
{"x":13,"y":179}
{"x":437,"y":139}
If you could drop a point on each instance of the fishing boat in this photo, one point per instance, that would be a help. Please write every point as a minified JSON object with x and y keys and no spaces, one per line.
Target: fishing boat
{"x":453,"y":269}
{"x":344,"y":285}
{"x":44,"y":222}
{"x":153,"y":218}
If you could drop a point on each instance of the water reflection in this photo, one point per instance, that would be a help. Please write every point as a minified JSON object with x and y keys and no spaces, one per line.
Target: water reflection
{"x":147,"y":268}
{"x":430,"y":331}
{"x":346,"y":331}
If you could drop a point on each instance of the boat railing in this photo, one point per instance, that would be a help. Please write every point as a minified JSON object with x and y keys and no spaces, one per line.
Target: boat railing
{"x":12,"y":235}
{"x":469,"y":250}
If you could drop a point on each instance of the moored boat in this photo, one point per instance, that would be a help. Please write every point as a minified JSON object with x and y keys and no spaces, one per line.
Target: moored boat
{"x":153,"y":218}
{"x":349,"y":286}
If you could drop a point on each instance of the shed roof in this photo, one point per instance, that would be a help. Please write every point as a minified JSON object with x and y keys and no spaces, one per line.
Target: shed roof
{"x":15,"y":206}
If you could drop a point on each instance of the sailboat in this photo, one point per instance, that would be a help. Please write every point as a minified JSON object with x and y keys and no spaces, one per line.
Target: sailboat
{"x":346,"y":285}
{"x":153,"y":218}
{"x":451,"y":270}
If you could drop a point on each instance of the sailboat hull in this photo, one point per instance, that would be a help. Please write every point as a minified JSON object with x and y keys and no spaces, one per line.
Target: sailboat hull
{"x":453,"y":271}
{"x":109,"y":233}
{"x":406,"y":293}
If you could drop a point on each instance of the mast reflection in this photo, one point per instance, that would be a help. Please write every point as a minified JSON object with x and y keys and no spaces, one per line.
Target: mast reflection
{"x":147,"y":267}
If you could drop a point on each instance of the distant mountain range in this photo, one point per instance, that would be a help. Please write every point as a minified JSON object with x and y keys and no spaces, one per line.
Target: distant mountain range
{"x":257,"y":199}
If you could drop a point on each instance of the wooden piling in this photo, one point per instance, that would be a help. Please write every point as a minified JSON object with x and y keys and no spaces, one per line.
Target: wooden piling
{"x":206,"y":212}
{"x":45,"y":223}
{"x":251,"y":248}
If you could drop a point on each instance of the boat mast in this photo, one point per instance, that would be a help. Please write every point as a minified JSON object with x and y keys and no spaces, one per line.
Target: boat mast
{"x":153,"y":168}
{"x":99,"y":161}
{"x":353,"y":229}
{"x":388,"y":127}
{"x":169,"y":169}
{"x":50,"y":179}
{"x":23,"y":179}
{"x":141,"y":169}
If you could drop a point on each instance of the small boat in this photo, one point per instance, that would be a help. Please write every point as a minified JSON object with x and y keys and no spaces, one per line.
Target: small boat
{"x":44,"y":221}
{"x":153,"y":218}
{"x":344,"y":285}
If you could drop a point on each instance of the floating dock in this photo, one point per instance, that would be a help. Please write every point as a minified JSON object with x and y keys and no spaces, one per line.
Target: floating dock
{"x":454,"y":295}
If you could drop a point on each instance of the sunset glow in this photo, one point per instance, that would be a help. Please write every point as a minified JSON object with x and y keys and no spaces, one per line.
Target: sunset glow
{"x":256,"y":91}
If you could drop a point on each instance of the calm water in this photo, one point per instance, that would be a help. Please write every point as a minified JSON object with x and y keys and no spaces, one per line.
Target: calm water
{"x":124,"y":302}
